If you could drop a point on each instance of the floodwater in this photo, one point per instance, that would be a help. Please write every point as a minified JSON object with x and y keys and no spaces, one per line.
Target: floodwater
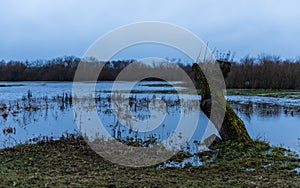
{"x":33,"y":111}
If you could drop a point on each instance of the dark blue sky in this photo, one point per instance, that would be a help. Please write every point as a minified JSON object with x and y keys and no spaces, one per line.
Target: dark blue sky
{"x":34,"y":29}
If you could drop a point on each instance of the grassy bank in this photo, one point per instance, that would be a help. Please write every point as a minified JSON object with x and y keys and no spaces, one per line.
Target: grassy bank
{"x":265,"y":92}
{"x":70,"y":162}
{"x":247,"y":92}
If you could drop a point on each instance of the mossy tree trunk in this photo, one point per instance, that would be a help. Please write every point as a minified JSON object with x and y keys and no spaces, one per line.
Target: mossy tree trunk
{"x":232,"y":128}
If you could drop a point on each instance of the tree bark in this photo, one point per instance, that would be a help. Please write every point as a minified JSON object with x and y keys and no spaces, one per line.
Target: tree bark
{"x":232,"y":128}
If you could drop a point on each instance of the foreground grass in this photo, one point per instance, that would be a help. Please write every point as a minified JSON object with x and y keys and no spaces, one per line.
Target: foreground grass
{"x":71,"y":163}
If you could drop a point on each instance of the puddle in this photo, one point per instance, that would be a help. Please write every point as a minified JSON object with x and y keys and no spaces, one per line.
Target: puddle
{"x":297,"y":170}
{"x":190,"y":161}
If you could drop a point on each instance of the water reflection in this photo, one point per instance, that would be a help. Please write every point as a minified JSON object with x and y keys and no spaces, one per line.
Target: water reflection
{"x":276,"y":124}
{"x":38,"y":116}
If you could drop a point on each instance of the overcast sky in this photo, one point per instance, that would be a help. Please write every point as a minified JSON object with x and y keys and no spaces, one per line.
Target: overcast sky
{"x":37,"y":29}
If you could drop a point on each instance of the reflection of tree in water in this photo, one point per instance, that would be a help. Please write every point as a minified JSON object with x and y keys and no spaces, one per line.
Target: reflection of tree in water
{"x":269,"y":110}
{"x":262,"y":109}
{"x":244,"y":109}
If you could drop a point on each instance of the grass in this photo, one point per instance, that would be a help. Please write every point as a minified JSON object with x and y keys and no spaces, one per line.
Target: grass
{"x":164,"y":91}
{"x":135,"y":91}
{"x":71,"y":163}
{"x":265,"y":92}
{"x":159,"y":85}
{"x":295,"y":94}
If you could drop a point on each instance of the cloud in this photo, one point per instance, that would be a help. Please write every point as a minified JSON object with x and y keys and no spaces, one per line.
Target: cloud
{"x":32,"y":29}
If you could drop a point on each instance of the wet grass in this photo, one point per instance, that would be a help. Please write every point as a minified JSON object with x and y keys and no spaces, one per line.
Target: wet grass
{"x":69,"y":162}
{"x":164,"y":85}
{"x":295,"y":94}
{"x":171,"y":91}
{"x":164,"y":91}
{"x":158,"y":85}
{"x":265,"y":92}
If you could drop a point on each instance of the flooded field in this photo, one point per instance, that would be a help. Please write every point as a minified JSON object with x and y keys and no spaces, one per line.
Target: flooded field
{"x":33,"y":111}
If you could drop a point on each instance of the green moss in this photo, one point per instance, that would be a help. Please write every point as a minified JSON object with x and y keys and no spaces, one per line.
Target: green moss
{"x":181,"y":156}
{"x":233,"y":127}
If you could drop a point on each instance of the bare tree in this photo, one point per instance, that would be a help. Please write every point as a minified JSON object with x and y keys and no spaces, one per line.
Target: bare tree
{"x":232,"y":128}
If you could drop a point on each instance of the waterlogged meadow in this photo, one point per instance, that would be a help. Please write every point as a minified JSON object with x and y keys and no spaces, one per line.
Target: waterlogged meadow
{"x":35,"y":111}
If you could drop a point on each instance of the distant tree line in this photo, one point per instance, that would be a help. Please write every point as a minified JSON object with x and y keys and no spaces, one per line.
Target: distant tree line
{"x":63,"y":69}
{"x":58,"y":69}
{"x":264,"y":72}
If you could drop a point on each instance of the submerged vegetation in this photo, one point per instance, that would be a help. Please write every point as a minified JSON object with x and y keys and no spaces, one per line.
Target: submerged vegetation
{"x":70,"y":162}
